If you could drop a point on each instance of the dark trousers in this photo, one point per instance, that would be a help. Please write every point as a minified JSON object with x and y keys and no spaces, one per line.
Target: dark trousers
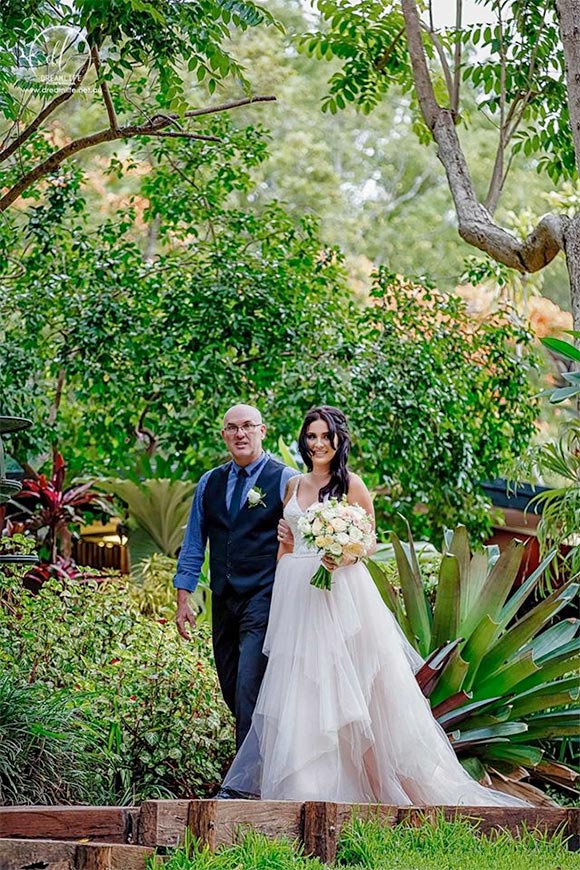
{"x":239,"y":625}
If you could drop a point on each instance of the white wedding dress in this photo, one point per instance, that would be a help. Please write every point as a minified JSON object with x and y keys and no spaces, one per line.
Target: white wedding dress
{"x":340,"y":716}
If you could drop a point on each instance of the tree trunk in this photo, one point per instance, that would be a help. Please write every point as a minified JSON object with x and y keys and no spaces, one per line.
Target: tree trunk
{"x":554,"y":232}
{"x":569,"y":14}
{"x":572,"y":251}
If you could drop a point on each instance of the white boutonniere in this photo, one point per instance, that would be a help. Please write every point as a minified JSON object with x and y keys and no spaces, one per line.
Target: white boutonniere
{"x":256,"y":497}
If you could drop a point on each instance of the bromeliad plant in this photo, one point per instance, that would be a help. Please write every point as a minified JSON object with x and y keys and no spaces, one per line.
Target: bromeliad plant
{"x":498,"y":682}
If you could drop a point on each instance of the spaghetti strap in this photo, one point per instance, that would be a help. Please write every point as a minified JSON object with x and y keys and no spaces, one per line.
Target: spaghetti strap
{"x":291,"y":488}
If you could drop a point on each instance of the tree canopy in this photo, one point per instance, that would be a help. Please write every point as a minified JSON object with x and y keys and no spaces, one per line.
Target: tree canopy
{"x":130,"y":59}
{"x":524,"y":68}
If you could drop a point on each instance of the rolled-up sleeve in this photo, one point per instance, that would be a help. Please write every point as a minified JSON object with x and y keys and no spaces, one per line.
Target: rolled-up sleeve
{"x":192,"y":552}
{"x":287,"y":474}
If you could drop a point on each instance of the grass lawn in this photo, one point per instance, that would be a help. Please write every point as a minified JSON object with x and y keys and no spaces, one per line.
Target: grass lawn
{"x":443,"y":846}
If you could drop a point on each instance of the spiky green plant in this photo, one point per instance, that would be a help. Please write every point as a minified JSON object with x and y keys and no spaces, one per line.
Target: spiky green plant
{"x":499,"y":683}
{"x":158,"y":509}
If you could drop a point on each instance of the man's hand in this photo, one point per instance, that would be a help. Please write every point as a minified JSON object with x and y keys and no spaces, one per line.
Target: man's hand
{"x":184,"y":614}
{"x":285,"y":535}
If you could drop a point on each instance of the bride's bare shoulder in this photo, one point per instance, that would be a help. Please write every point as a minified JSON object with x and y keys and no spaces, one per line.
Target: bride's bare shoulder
{"x":356,"y":483}
{"x":358,"y":493}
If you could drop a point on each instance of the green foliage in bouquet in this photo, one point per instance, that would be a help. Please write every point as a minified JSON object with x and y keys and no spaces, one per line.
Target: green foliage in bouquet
{"x":149,"y":719}
{"x":499,"y":683}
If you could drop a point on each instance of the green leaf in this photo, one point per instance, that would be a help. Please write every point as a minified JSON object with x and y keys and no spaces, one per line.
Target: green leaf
{"x":496,"y":588}
{"x":564,"y":348}
{"x":446,"y":610}
{"x":287,"y":457}
{"x":503,"y":680}
{"x":515,"y":601}
{"x":492,"y":732}
{"x":448,"y":720}
{"x":416,"y":605}
{"x":553,"y":638}
{"x":451,"y":681}
{"x":515,"y":638}
{"x":391,"y":599}
{"x":476,"y":647}
{"x":557,"y":693}
{"x":550,"y":726}
{"x":528,"y":756}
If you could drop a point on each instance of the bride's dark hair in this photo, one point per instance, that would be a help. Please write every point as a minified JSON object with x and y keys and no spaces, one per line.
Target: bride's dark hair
{"x":340,"y":439}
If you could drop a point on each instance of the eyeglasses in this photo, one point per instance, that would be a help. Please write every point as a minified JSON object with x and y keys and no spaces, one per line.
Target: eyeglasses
{"x":245,"y":428}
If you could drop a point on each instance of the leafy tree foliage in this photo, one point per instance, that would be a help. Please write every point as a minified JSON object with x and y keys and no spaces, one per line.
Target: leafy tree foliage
{"x":527,"y":83}
{"x":127,"y":58}
{"x":122,"y":345}
{"x":112,"y":351}
{"x":443,"y":407}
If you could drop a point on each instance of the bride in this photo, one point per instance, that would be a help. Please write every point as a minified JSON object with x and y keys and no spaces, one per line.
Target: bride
{"x":340,"y":716}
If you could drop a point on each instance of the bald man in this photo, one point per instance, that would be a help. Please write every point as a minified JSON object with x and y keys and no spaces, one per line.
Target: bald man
{"x":236,"y":507}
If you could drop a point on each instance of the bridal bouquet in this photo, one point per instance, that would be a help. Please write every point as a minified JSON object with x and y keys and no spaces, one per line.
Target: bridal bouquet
{"x":337,"y":529}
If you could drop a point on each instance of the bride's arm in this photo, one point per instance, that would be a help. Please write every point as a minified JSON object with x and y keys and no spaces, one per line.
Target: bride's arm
{"x":359,"y":494}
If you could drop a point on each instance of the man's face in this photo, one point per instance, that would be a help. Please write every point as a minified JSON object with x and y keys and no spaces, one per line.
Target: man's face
{"x":243,"y":433}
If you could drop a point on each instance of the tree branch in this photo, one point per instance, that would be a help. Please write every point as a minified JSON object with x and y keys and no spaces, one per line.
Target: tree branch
{"x":104,"y":89}
{"x":386,"y":56}
{"x":443,"y":61}
{"x":476,"y":226}
{"x":48,"y":110}
{"x":457,"y":58}
{"x":152,"y":128}
{"x":185,"y":135}
{"x":498,"y":176}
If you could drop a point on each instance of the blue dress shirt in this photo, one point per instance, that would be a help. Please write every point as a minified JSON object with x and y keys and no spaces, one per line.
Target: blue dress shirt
{"x":192,"y":552}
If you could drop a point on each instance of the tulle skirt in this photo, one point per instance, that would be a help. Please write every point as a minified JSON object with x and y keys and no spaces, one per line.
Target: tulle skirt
{"x":340,"y":716}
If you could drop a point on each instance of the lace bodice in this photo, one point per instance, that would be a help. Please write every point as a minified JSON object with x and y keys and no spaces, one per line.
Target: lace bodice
{"x":292,"y":513}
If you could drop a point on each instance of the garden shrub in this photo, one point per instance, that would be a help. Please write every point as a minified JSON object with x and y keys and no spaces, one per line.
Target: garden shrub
{"x":44,"y":758}
{"x":148,"y":704}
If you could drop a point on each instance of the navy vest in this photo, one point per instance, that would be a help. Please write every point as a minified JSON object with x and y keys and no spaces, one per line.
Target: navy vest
{"x":242,"y":555}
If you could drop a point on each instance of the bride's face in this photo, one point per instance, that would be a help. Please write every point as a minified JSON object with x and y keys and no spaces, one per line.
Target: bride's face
{"x":320,"y":444}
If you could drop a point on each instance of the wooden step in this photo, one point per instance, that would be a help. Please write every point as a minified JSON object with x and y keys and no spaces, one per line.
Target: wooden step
{"x":41,"y":836}
{"x":317,"y":824}
{"x":105,"y":824}
{"x":67,"y":855}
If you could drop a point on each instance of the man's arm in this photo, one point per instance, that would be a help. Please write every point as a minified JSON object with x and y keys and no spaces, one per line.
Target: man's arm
{"x":284,"y":532}
{"x":191,"y":560}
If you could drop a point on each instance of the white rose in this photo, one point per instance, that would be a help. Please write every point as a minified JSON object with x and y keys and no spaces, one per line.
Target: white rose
{"x":317,"y":526}
{"x":335,"y":549}
{"x":339,"y":524}
{"x":254,"y":497}
{"x":355,"y":534}
{"x":342,"y":538}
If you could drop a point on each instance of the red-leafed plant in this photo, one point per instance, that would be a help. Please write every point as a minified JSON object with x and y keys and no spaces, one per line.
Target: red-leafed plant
{"x":52,"y":510}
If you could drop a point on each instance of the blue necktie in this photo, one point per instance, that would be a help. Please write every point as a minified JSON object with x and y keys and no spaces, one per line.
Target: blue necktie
{"x":237,"y":493}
